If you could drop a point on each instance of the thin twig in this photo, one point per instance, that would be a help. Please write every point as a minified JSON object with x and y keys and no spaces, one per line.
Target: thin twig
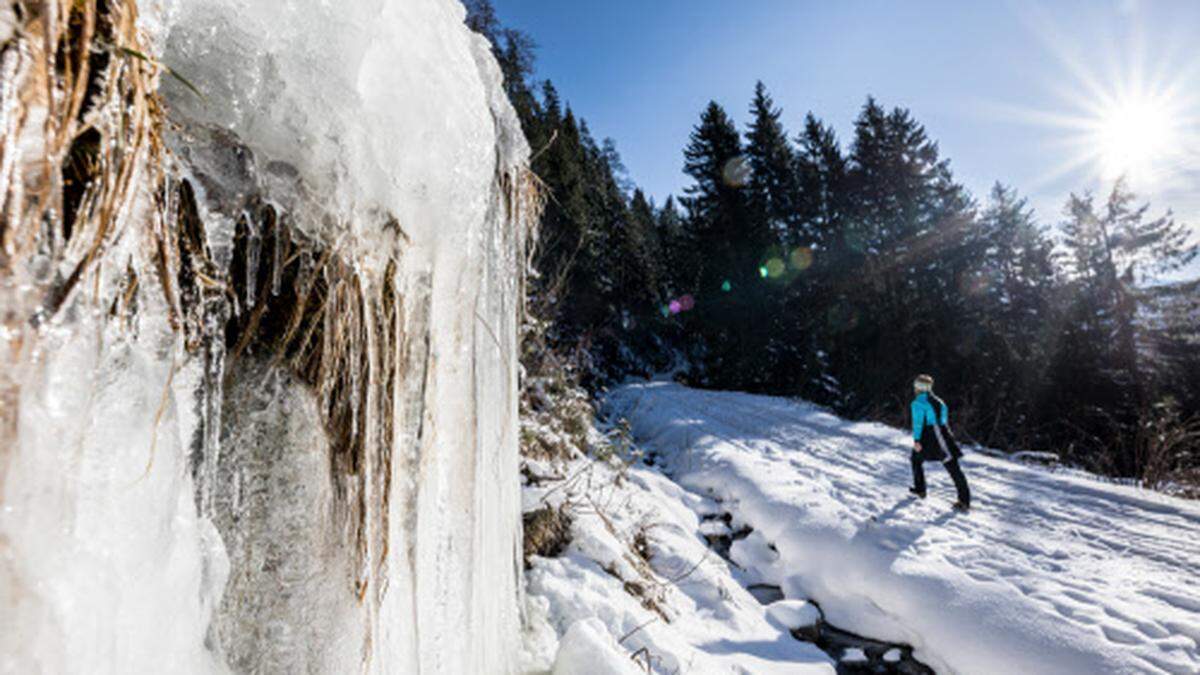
{"x":630,"y":633}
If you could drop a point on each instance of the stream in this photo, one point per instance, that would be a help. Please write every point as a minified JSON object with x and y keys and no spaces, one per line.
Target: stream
{"x":854,"y":654}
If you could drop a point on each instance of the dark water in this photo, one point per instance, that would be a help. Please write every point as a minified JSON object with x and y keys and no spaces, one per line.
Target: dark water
{"x":829,"y":638}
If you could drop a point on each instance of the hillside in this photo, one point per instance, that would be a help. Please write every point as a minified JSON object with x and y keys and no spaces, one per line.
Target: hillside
{"x":1051,"y":572}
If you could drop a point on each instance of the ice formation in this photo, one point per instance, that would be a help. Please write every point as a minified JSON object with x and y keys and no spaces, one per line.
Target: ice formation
{"x":258,"y":376}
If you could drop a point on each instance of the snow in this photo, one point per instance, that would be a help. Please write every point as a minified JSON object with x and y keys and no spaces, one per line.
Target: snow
{"x":380,"y":129}
{"x":678,"y":609}
{"x":794,"y":614}
{"x":854,"y":655}
{"x":1051,"y":572}
{"x":587,"y":647}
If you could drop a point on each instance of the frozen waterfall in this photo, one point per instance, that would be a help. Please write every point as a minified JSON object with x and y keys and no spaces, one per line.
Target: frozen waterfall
{"x":260,"y":286}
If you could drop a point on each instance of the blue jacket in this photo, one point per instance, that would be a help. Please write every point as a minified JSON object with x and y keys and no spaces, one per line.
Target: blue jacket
{"x":925,"y":414}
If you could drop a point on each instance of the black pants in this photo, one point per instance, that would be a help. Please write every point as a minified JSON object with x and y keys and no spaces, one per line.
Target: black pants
{"x":956,"y":473}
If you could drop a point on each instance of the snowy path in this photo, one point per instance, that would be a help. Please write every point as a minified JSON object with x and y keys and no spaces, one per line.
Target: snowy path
{"x":1051,"y":572}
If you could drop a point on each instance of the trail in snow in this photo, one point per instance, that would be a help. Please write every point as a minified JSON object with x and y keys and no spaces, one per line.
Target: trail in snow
{"x":1051,"y":572}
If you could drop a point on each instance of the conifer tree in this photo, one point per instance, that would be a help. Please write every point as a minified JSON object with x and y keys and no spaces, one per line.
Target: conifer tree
{"x":773,"y":191}
{"x":907,"y":240}
{"x":681,"y":256}
{"x":720,"y":223}
{"x":1013,"y":292}
{"x":824,"y":270}
{"x":821,"y":172}
{"x":641,"y":255}
{"x":773,"y":195}
{"x":1114,"y":248}
{"x":1075,"y":352}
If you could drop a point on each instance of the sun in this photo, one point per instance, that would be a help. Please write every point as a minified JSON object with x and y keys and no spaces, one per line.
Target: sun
{"x":1130,"y":110}
{"x":1134,"y":139}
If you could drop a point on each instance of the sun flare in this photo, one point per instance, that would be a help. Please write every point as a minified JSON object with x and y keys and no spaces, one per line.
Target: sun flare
{"x":1130,"y":110}
{"x":1134,"y":139}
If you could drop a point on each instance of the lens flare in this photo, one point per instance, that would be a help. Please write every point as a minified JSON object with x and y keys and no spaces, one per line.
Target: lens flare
{"x":802,"y":258}
{"x":736,"y":172}
{"x":675,"y":307}
{"x":726,"y":286}
{"x":775,"y":268}
{"x":764,"y":272}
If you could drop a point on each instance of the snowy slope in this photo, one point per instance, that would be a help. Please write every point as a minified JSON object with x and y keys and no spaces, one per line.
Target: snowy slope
{"x":1050,"y":573}
{"x":671,"y":605}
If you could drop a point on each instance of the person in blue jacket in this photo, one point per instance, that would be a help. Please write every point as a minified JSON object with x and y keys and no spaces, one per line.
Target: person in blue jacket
{"x":933,"y":441}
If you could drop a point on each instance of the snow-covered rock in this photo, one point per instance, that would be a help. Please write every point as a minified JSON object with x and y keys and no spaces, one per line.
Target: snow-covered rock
{"x":587,"y":647}
{"x":794,"y":614}
{"x":854,"y":655}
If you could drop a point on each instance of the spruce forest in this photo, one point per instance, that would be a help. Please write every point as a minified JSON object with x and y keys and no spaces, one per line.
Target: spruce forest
{"x":801,"y":264}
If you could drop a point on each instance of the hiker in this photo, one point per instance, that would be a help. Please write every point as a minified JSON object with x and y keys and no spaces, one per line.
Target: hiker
{"x":932,"y":440}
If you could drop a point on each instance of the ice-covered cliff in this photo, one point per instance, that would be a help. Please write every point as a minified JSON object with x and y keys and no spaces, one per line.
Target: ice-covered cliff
{"x":260,"y":281}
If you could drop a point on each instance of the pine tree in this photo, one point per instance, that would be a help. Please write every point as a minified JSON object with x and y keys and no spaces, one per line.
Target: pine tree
{"x":681,"y":256}
{"x":1013,"y":293}
{"x":594,"y":277}
{"x":564,"y":222}
{"x":1114,"y":250}
{"x":728,"y":295}
{"x":896,"y":273}
{"x":773,"y":190}
{"x":773,"y":194}
{"x":641,"y":254}
{"x":907,"y":242}
{"x":821,"y":172}
{"x":716,"y":203}
{"x":824,"y":269}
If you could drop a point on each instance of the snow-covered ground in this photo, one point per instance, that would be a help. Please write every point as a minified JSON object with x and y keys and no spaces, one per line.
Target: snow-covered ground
{"x":637,"y":588}
{"x":1051,"y":572}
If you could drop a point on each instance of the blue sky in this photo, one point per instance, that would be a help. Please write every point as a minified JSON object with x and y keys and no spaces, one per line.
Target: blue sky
{"x":1012,"y":91}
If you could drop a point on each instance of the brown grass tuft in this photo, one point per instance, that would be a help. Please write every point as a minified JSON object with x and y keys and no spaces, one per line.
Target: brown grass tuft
{"x":547,"y":533}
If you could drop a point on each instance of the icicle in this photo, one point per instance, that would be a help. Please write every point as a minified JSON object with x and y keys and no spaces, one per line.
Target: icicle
{"x":253,"y":246}
{"x":216,"y":315}
{"x":9,"y":106}
{"x":277,"y":262}
{"x":356,"y":317}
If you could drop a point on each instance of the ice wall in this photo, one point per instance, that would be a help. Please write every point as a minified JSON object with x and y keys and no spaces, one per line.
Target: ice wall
{"x":190,"y":477}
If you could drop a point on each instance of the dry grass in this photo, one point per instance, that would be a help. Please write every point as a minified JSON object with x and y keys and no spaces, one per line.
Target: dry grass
{"x":80,"y":140}
{"x":547,"y":532}
{"x":1167,"y":449}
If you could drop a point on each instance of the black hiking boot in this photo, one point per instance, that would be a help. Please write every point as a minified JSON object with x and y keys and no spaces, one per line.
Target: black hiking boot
{"x":915,"y":491}
{"x":962,"y":507}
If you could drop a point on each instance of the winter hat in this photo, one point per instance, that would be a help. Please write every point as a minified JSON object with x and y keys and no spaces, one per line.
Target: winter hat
{"x":923,"y":383}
